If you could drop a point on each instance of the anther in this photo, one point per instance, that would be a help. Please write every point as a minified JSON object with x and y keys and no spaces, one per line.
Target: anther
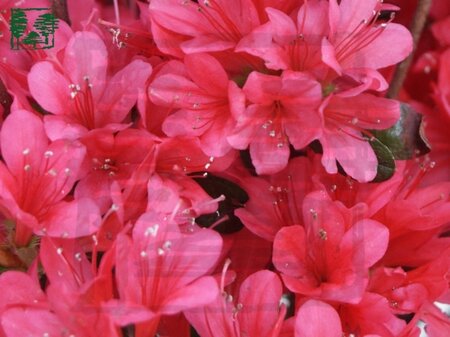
{"x":52,"y":172}
{"x":323,"y":234}
{"x":48,"y":154}
{"x":167,"y":245}
{"x":152,"y":230}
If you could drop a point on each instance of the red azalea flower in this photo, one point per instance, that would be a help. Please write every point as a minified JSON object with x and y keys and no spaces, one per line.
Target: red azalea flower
{"x":357,"y":38}
{"x":371,"y":316}
{"x":328,"y":258}
{"x":112,"y":157}
{"x":276,"y":200}
{"x":285,"y":43}
{"x":37,"y":177}
{"x":203,"y":26}
{"x":258,"y":312}
{"x":163,"y":269}
{"x":346,"y":118}
{"x":283,"y":111}
{"x":80,"y":93}
{"x":202,"y":94}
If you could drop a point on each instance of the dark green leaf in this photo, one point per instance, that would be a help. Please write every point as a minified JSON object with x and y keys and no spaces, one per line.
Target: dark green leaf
{"x":241,"y":78}
{"x":406,"y":138}
{"x":386,"y":162}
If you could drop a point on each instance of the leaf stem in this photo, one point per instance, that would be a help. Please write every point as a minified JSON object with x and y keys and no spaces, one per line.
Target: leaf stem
{"x":417,"y":26}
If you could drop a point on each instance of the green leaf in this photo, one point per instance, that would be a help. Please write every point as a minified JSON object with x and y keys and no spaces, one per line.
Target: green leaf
{"x":386,"y":162}
{"x":406,"y":138}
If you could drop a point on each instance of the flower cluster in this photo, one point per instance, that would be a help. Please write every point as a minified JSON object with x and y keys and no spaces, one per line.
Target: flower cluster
{"x":224,"y":168}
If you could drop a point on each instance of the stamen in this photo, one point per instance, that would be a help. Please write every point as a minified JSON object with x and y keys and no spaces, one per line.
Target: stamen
{"x":226,"y":265}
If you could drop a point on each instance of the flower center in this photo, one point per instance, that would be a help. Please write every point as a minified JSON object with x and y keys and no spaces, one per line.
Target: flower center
{"x":108,"y":165}
{"x":219,"y":20}
{"x":40,"y":186}
{"x":83,"y":103}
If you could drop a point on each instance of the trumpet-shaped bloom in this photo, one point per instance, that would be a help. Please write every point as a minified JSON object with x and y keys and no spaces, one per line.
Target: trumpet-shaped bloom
{"x":284,"y":43}
{"x":358,"y":39}
{"x":38,"y":175}
{"x":283,"y":111}
{"x":201,"y":95}
{"x":112,"y":157}
{"x":257,"y":312}
{"x":202,"y":26}
{"x":80,"y":93}
{"x":343,"y":139}
{"x":328,"y":258}
{"x":163,"y":269}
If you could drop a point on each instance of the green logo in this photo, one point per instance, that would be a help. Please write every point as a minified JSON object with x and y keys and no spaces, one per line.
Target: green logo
{"x":43,"y":34}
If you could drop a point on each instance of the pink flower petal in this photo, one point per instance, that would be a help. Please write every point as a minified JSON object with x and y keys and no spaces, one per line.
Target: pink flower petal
{"x":19,"y":322}
{"x":284,"y":29}
{"x":207,"y":73}
{"x":366,"y":241}
{"x":260,"y":295}
{"x":63,"y":127}
{"x":197,"y":294}
{"x":356,"y":156}
{"x":23,"y":141}
{"x":373,"y":56}
{"x":72,"y":219}
{"x":317,"y":319}
{"x":206,"y":43}
{"x":86,"y":55}
{"x":121,"y":92}
{"x":49,"y":88}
